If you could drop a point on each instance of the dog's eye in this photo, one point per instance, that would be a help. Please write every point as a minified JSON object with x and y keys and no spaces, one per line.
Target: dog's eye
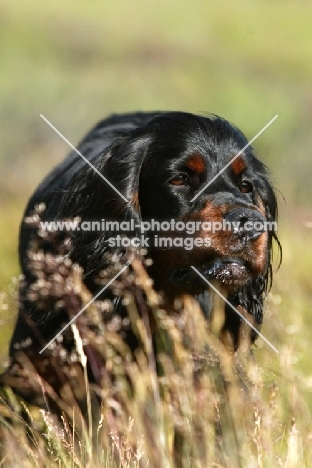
{"x":180,"y":179}
{"x":246,"y":186}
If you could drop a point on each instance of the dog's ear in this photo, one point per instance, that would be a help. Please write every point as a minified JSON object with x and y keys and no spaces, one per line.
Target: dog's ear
{"x":90,"y":196}
{"x":113,"y":197}
{"x":268,"y":197}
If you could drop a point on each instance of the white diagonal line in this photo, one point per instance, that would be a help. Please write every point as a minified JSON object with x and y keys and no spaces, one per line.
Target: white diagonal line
{"x":84,"y":158}
{"x":235,"y":310}
{"x":85,"y":307}
{"x":233,"y":159}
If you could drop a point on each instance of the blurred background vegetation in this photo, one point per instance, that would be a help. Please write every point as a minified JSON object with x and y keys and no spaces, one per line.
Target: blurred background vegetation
{"x":77,"y":61}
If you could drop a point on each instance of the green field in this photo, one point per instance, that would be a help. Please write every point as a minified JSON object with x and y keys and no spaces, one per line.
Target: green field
{"x":76,"y":62}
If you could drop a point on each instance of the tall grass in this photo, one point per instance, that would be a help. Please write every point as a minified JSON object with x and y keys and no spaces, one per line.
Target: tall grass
{"x":181,"y":398}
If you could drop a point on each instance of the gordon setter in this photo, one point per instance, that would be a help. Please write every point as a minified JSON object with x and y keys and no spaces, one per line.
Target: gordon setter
{"x":171,"y":168}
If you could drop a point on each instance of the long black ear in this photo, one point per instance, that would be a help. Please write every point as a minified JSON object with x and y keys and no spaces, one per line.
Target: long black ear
{"x":268,"y":197}
{"x":91,"y":198}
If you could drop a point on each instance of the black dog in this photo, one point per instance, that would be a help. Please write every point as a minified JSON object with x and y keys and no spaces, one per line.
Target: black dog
{"x":156,"y":164}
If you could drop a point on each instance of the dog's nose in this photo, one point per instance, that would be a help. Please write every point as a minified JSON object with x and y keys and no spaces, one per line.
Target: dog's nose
{"x":245,"y":223}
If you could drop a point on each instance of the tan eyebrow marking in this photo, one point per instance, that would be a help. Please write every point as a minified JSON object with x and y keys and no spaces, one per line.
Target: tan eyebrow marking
{"x":196,"y":163}
{"x":135,"y":200}
{"x":238,"y":165}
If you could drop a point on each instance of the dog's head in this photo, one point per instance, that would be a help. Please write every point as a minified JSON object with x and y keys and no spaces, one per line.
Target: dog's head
{"x":200,"y":173}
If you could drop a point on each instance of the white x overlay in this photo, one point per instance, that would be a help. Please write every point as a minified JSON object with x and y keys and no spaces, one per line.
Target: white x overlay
{"x":235,"y":310}
{"x":85,"y":307}
{"x":85,"y":159}
{"x":128,"y":263}
{"x":233,"y":159}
